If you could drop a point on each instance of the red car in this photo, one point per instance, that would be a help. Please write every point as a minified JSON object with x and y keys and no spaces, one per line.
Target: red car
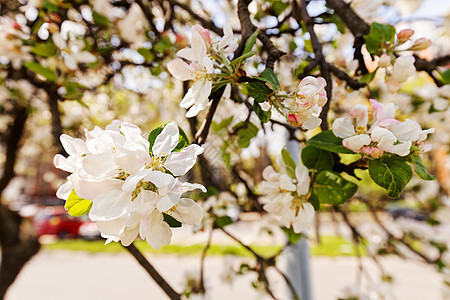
{"x":55,"y":220}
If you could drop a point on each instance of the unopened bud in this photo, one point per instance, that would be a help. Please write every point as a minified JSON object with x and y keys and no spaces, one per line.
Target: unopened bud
{"x":404,"y":35}
{"x":421,"y":44}
{"x":373,"y":152}
{"x":385,"y":61}
{"x":16,"y":26}
{"x":295,"y":120}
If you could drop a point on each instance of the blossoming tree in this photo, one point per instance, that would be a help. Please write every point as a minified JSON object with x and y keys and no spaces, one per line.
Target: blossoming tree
{"x":120,"y":69}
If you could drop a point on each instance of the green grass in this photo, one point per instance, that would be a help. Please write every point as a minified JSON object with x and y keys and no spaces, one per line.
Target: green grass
{"x":330,"y":246}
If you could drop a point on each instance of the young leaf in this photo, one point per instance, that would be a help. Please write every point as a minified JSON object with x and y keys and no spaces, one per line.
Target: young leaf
{"x":171,"y":221}
{"x":100,"y":19}
{"x":289,"y":162}
{"x":328,"y":141}
{"x":46,"y":49}
{"x":147,"y":54}
{"x":291,"y":235}
{"x":379,"y":35}
{"x":77,"y":206}
{"x":224,"y":124}
{"x":269,"y":76}
{"x":43,"y":71}
{"x":259,"y":91}
{"x":421,"y":170}
{"x":314,"y":200}
{"x":332,"y":188}
{"x":390,"y":173}
{"x":317,"y":159}
{"x":223,"y":221}
{"x":250,"y":42}
{"x":182,"y":142}
{"x":263,"y":115}
{"x":245,"y":133}
{"x":367,"y":78}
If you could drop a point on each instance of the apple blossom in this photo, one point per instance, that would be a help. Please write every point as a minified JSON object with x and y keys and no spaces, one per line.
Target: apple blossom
{"x":303,"y":108}
{"x":130,"y":187}
{"x":403,"y":68}
{"x":72,"y":51}
{"x":286,"y":197}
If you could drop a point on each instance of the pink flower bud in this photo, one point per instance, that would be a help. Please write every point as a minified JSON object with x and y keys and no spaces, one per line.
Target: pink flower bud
{"x":405,"y":34}
{"x":421,"y":44}
{"x":373,"y":152}
{"x":295,"y":120}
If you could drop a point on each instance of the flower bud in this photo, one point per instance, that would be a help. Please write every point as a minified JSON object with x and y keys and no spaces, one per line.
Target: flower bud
{"x":404,"y":35}
{"x":421,"y":44}
{"x":385,"y":61}
{"x":295,"y":120}
{"x":373,"y":152}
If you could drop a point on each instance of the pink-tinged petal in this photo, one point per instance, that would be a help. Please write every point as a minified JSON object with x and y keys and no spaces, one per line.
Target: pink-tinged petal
{"x":203,"y":32}
{"x":187,"y":211}
{"x":321,"y":83}
{"x":181,"y":70}
{"x":167,"y":140}
{"x":180,"y":162}
{"x":187,"y":53}
{"x":355,"y":142}
{"x":361,"y":114}
{"x":198,"y":46}
{"x":159,"y":232}
{"x":295,"y":120}
{"x":343,"y":128}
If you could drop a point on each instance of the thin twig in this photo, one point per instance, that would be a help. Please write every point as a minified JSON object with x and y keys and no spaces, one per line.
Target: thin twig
{"x":152,"y":272}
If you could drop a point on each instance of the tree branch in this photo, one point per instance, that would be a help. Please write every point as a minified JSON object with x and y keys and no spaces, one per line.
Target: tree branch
{"x":152,"y":272}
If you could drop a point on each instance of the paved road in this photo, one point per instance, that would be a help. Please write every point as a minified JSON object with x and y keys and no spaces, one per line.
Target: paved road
{"x":56,"y":275}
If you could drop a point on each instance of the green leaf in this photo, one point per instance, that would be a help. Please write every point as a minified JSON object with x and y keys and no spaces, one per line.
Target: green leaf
{"x":317,"y":159}
{"x":224,"y":124}
{"x":269,"y":76}
{"x":50,"y":6}
{"x":171,"y":221}
{"x":43,"y":71}
{"x":263,"y":115}
{"x":328,"y":141}
{"x":339,"y":24}
{"x":446,"y":76}
{"x":314,"y":200}
{"x":421,"y":170}
{"x":308,"y":46}
{"x":146,"y":53}
{"x":332,"y":188}
{"x":74,"y":90}
{"x":289,"y":162}
{"x":379,"y":35}
{"x":291,"y":235}
{"x":223,"y":221}
{"x":77,"y":206}
{"x":245,"y":133}
{"x":250,"y":42}
{"x":279,"y":6}
{"x":46,"y":49}
{"x":100,"y":19}
{"x":162,"y":45}
{"x":259,"y":91}
{"x":182,"y":142}
{"x":367,"y":78}
{"x":390,"y":173}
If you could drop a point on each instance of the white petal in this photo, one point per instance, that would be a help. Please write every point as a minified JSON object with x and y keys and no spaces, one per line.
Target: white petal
{"x":191,"y":95}
{"x":129,"y":235}
{"x":58,"y":40}
{"x":84,"y":57}
{"x":63,"y":163}
{"x":70,"y":62}
{"x":169,"y":200}
{"x":192,"y":186}
{"x":302,"y":174}
{"x":188,"y":211}
{"x":159,"y":232}
{"x":198,"y":45}
{"x":286,"y":183}
{"x":110,"y":205}
{"x":312,"y":122}
{"x":180,"y":69}
{"x":164,"y":182}
{"x":343,"y":128}
{"x":355,"y":142}
{"x":76,"y":147}
{"x":64,"y":190}
{"x":89,"y":189}
{"x":180,"y":162}
{"x":167,"y":140}
{"x":99,"y":165}
{"x":187,"y":53}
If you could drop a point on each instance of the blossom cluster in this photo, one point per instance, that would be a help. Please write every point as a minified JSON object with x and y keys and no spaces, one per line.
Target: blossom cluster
{"x":286,"y":197}
{"x":132,"y":186}
{"x":202,"y":56}
{"x":304,"y":107}
{"x":386,"y":134}
{"x":12,"y":34}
